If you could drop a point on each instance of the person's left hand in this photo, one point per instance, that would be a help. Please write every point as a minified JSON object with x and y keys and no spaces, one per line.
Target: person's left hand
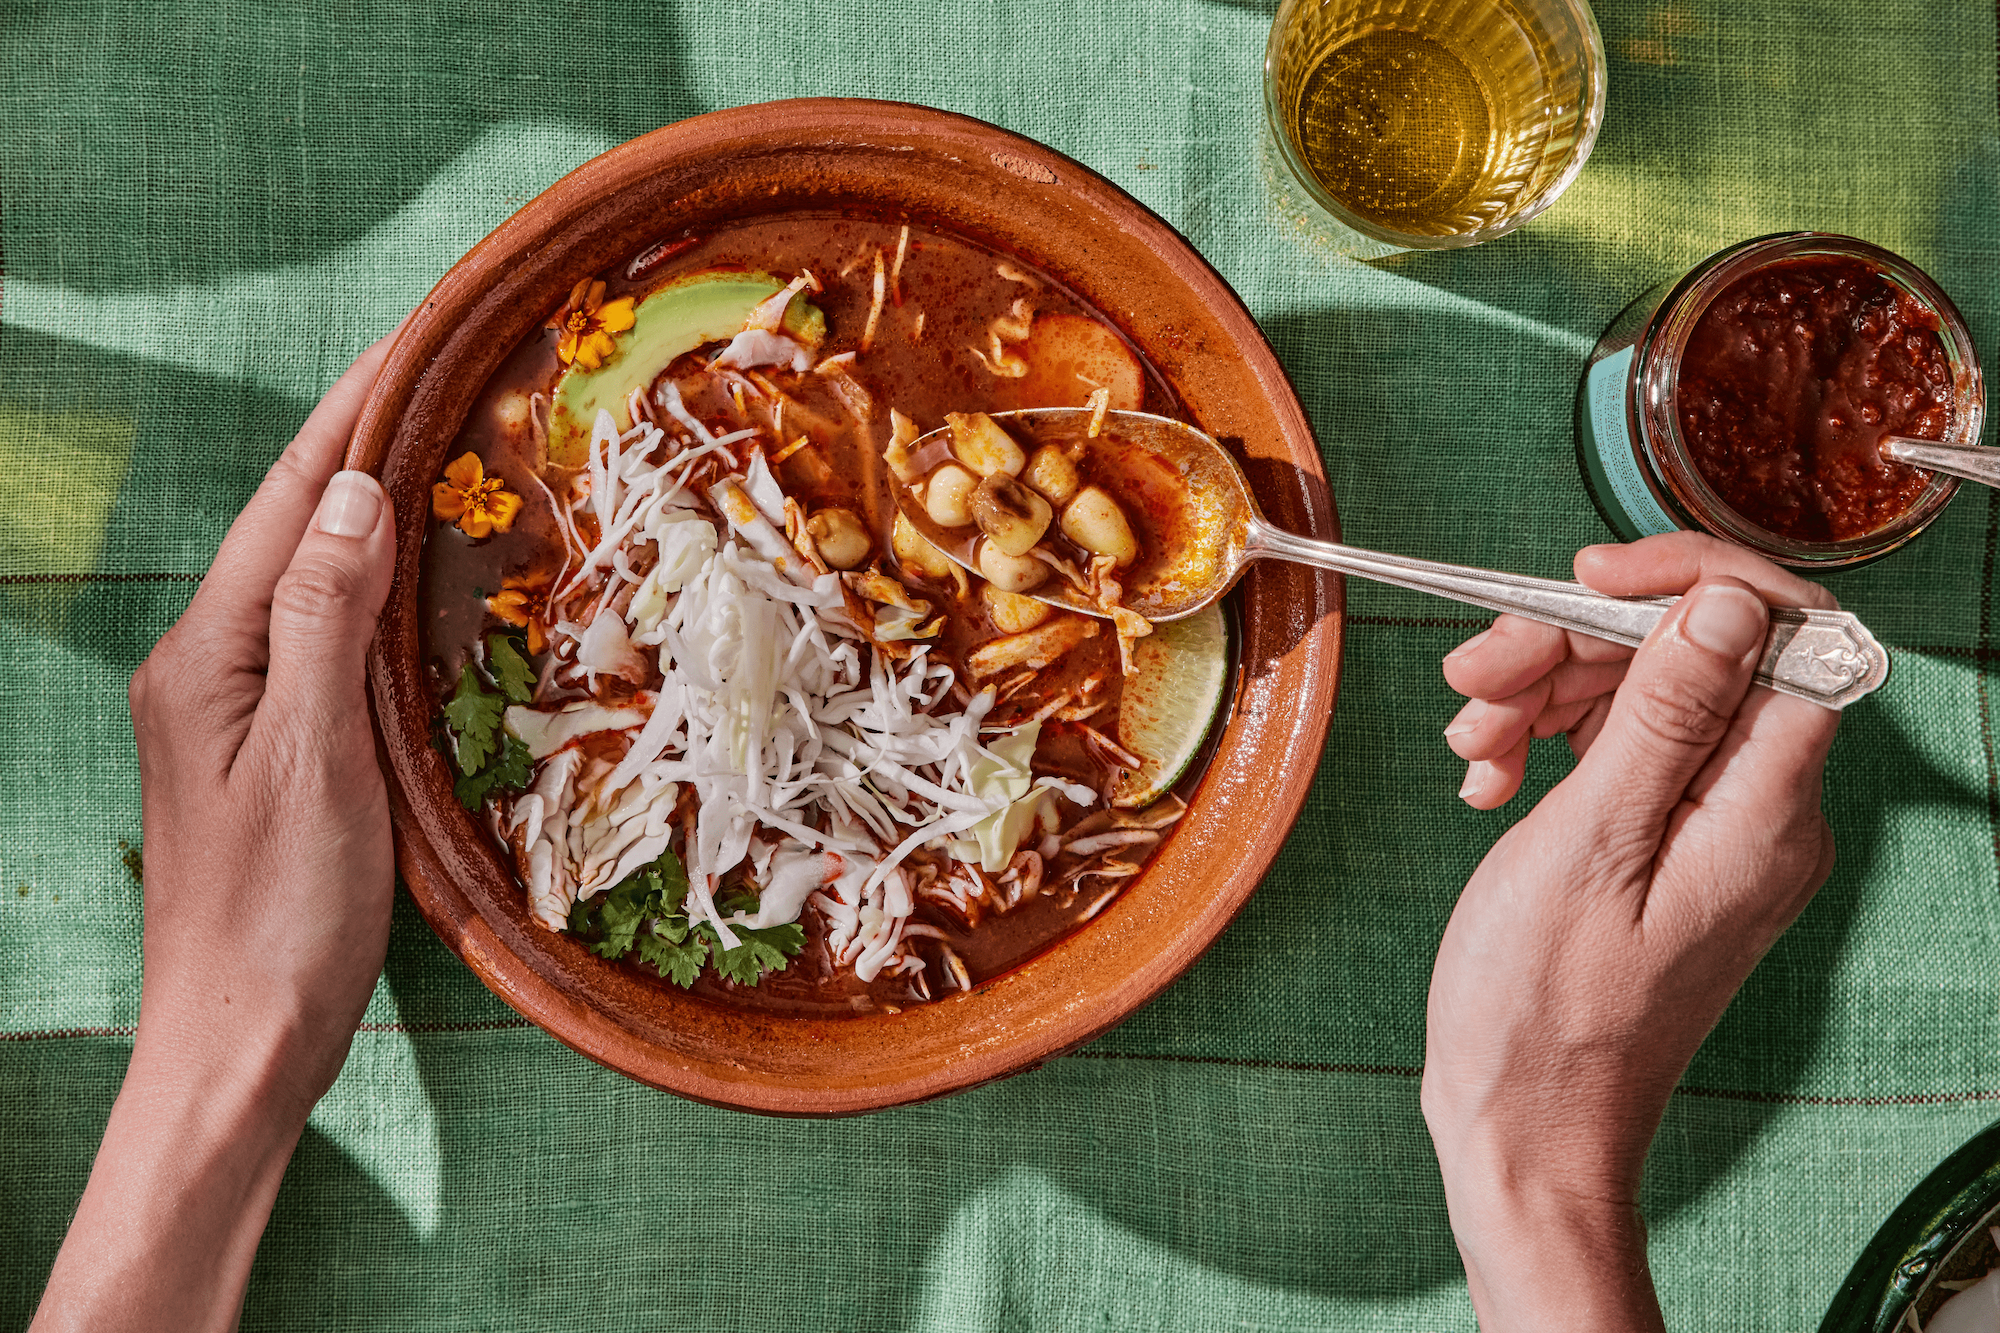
{"x":269,"y":868}
{"x":268,"y":879}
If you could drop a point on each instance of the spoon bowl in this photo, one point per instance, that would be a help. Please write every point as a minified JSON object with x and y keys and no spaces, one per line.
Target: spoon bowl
{"x":1194,"y":508}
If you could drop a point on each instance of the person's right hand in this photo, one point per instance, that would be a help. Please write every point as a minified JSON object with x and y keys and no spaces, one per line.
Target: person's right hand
{"x":1528,"y":681}
{"x":1604,"y":934}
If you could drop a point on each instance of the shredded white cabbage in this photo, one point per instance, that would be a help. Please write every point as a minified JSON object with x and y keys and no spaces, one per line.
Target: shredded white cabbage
{"x":806,"y":752}
{"x":755,"y":347}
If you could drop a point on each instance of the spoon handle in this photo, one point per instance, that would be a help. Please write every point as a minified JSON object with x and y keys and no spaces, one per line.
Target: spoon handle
{"x":1826,"y":657}
{"x":1956,"y":460}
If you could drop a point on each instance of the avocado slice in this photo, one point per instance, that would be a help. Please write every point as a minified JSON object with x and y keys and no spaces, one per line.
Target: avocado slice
{"x":668,"y":324}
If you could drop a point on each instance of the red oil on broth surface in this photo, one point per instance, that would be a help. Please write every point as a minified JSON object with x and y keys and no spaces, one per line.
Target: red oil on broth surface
{"x":917,"y":325}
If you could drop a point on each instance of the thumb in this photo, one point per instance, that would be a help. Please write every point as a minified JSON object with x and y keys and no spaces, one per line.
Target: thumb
{"x":1676,"y":704}
{"x":324,"y":607}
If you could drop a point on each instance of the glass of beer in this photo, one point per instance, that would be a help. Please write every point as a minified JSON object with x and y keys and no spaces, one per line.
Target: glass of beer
{"x":1432,"y":124}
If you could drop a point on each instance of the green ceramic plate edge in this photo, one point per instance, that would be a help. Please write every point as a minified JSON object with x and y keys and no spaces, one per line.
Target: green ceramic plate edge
{"x":1937,"y":1214}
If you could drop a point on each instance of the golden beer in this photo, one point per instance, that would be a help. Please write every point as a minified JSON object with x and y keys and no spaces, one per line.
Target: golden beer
{"x":1428,"y":123}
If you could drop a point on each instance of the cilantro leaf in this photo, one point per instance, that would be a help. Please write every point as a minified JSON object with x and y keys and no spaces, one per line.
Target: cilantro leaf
{"x":653,"y":893}
{"x":514,"y":767}
{"x":768,"y":950}
{"x":474,"y":714}
{"x":670,"y":881}
{"x":510,"y":772}
{"x":471,"y":792}
{"x":646,"y":914}
{"x":486,"y":755}
{"x":620,"y":916}
{"x":733,"y":900}
{"x":677,"y":955}
{"x":511,"y":671}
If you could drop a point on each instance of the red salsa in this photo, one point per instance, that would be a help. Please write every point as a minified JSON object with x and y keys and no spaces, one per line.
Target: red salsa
{"x":1791,"y":380}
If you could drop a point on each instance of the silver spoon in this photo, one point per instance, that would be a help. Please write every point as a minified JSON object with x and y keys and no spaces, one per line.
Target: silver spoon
{"x":1970,"y":461}
{"x":1826,"y":657}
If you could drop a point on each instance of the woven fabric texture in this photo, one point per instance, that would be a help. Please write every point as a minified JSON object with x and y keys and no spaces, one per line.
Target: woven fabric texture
{"x":205,"y":215}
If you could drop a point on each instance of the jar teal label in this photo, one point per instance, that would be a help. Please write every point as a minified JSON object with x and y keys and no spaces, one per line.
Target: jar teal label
{"x":1611,"y":443}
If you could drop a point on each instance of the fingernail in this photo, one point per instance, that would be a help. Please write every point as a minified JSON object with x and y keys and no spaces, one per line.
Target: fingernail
{"x":1469,"y":645}
{"x":350,"y":507}
{"x":1475,"y":779}
{"x":1467,"y":719}
{"x":1726,"y":620}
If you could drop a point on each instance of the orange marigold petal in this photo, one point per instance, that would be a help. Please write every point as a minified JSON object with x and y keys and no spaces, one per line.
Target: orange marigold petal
{"x":578,"y":293}
{"x":465,"y":471}
{"x":475,"y":522}
{"x":617,"y":317}
{"x":566,"y":346}
{"x":510,"y":606}
{"x":595,"y":296}
{"x":503,"y":506}
{"x":447,"y":500}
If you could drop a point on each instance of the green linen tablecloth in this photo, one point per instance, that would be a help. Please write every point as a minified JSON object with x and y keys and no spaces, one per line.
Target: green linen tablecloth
{"x":205,"y":215}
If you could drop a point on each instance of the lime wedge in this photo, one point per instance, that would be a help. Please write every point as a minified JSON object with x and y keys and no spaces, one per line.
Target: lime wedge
{"x":1170,"y":702}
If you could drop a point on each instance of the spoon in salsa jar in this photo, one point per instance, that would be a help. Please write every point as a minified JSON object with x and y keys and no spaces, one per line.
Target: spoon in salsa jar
{"x":1111,"y":513}
{"x":1969,"y":462}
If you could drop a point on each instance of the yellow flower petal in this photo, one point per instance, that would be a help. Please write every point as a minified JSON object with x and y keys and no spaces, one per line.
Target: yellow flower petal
{"x":616,"y":317}
{"x":465,"y":471}
{"x":447,"y":500}
{"x":503,"y":506}
{"x":594,"y":297}
{"x":510,"y":605}
{"x":566,"y":346}
{"x":475,"y":522}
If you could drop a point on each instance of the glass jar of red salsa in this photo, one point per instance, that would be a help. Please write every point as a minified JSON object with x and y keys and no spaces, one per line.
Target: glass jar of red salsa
{"x":1750,"y":399}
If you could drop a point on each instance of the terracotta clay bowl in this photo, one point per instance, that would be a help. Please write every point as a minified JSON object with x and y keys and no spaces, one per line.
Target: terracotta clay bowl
{"x":1015,"y":196}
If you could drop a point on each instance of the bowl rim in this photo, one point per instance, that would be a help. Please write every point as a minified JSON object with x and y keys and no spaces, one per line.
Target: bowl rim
{"x":1288,"y":720}
{"x":1922,"y":1234}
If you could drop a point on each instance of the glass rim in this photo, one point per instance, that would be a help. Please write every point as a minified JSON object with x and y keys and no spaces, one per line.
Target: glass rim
{"x":1656,"y":378}
{"x":1589,"y":122}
